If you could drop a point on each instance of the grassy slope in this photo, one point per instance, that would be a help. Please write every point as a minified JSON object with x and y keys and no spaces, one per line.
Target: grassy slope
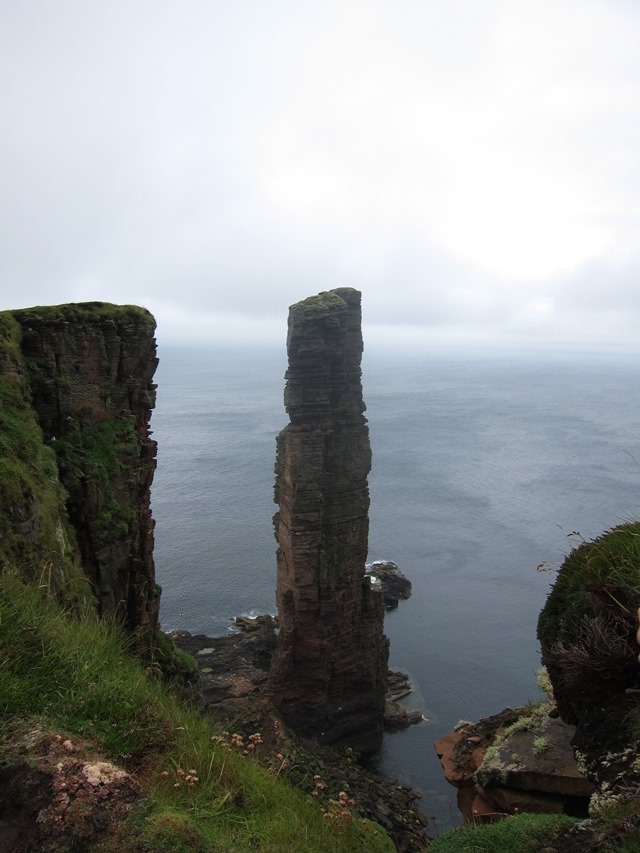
{"x":74,"y":676}
{"x":526,"y":833}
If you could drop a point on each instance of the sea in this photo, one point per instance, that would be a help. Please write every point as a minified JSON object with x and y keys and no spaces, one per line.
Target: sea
{"x":488,"y":468}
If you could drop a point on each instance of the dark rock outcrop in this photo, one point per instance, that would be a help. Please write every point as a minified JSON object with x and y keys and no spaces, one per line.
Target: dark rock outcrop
{"x":89,"y":369}
{"x":395,"y":584}
{"x":328,"y":676}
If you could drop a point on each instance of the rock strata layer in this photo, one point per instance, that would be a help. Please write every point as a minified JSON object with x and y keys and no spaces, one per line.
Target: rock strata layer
{"x":90,"y":368}
{"x":328,"y":676}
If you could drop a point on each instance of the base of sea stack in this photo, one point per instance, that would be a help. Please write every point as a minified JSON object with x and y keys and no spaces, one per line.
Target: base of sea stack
{"x":233,"y":675}
{"x":350,"y":726}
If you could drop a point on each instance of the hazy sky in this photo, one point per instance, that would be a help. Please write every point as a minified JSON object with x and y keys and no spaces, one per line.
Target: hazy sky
{"x":473,"y":166}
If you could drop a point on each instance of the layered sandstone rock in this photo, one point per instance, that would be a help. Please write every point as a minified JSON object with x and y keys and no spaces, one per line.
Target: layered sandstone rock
{"x":512,"y":762}
{"x":328,"y":676}
{"x":90,"y":368}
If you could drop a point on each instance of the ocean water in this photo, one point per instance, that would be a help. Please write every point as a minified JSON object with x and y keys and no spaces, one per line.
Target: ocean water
{"x":485,"y":467}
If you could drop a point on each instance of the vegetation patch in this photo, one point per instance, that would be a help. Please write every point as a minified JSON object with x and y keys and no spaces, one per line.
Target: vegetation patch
{"x":604,"y":572}
{"x":86,"y":312}
{"x":174,"y":662}
{"x":526,"y":833}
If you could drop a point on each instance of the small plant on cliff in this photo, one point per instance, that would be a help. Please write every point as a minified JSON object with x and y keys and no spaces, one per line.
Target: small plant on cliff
{"x":544,"y":683}
{"x":540,"y":745}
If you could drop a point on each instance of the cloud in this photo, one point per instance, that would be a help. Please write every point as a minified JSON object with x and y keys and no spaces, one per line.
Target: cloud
{"x":472,"y":168}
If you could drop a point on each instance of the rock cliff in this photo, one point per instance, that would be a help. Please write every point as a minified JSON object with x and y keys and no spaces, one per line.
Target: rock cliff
{"x":88,"y":370}
{"x":328,"y":675}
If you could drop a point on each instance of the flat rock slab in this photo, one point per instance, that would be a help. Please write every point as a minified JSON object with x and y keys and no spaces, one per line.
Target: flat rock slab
{"x":538,"y":760}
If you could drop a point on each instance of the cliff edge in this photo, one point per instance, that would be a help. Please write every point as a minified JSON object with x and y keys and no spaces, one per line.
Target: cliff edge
{"x":77,"y":456}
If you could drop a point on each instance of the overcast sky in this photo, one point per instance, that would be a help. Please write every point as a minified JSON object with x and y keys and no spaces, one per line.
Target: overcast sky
{"x":473,"y":166}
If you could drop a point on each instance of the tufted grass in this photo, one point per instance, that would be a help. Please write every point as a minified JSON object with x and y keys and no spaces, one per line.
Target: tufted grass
{"x":525,"y":833}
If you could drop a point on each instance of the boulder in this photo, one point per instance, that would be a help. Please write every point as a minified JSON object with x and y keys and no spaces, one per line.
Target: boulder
{"x":395,"y":585}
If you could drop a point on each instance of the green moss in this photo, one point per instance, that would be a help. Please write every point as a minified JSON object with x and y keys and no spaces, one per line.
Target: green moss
{"x":324,"y":301}
{"x":166,"y":831}
{"x":82,"y":312}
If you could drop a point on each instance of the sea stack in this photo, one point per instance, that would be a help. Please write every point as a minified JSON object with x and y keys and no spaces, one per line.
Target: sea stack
{"x":329,"y":672}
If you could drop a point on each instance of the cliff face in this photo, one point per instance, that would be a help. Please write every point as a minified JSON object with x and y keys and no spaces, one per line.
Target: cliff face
{"x":328,"y":676}
{"x":89,"y":370}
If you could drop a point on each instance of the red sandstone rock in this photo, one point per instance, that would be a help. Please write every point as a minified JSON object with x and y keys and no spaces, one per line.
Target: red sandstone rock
{"x":328,"y":676}
{"x":483,"y":811}
{"x":477,"y":757}
{"x":453,"y":772}
{"x":513,"y":801}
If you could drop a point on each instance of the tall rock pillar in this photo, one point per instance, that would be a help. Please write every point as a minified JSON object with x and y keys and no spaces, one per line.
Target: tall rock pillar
{"x":328,"y":676}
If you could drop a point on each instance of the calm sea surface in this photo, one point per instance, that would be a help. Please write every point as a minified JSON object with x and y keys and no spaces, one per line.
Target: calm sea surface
{"x":483,"y":467}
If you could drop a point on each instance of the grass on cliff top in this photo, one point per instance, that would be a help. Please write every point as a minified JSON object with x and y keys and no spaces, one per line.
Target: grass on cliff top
{"x":525,"y":833}
{"x":84,"y":312}
{"x":74,"y":676}
{"x":598,"y":568}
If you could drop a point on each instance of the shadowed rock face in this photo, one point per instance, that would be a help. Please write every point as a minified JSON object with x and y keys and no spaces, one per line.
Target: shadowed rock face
{"x":328,"y":676}
{"x":90,"y":368}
